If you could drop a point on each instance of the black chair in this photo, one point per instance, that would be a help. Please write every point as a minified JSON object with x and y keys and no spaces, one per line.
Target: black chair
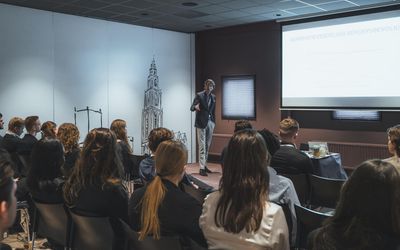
{"x":288,"y":217}
{"x":135,"y":161}
{"x":307,"y":221}
{"x":198,"y":194}
{"x":325,"y":192}
{"x":92,"y":233}
{"x":149,"y":243}
{"x":51,"y":221}
{"x":301,"y":185}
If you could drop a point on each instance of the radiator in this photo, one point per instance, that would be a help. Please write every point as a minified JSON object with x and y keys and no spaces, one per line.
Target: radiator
{"x":354,"y":153}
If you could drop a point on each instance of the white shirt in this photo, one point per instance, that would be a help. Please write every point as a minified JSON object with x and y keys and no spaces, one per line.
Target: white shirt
{"x":272,"y":234}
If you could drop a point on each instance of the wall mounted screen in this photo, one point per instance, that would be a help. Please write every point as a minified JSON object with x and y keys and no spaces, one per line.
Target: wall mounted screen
{"x":238,"y":97}
{"x":349,"y":62}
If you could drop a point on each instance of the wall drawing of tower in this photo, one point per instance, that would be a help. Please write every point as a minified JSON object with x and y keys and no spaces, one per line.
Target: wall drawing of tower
{"x":152,"y":114}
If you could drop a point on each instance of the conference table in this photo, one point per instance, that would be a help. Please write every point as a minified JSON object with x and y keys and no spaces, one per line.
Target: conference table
{"x":329,"y":166}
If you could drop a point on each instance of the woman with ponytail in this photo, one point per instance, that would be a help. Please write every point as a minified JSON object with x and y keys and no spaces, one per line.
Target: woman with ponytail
{"x":394,"y":146}
{"x":161,"y":208}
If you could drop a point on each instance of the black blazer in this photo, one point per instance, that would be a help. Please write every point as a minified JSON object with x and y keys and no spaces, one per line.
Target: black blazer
{"x":290,"y":160}
{"x":205,"y":112}
{"x":178,"y":213}
{"x":29,"y":141}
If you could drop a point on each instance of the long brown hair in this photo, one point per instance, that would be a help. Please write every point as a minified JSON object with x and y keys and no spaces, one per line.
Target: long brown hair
{"x":368,"y":209}
{"x":118,"y":126}
{"x":49,"y":130}
{"x":171,"y":158}
{"x":68,"y":134}
{"x":98,"y":164}
{"x":244,"y":183}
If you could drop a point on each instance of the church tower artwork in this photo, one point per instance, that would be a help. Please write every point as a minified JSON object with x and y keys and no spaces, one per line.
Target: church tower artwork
{"x":152,"y":114}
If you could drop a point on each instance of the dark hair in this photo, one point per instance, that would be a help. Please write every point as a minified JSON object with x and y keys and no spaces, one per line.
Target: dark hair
{"x":30,"y":122}
{"x":368,"y":209}
{"x":271,"y":140}
{"x":98,"y":164}
{"x":48,"y":129}
{"x":244,"y":183}
{"x":394,"y":137}
{"x":242,"y":124}
{"x":1,"y":115}
{"x":118,"y":126}
{"x":47,"y":158}
{"x":6,"y":176}
{"x":158,"y":135}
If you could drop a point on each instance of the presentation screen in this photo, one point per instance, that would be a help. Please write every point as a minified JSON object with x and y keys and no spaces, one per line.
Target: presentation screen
{"x":349,"y":62}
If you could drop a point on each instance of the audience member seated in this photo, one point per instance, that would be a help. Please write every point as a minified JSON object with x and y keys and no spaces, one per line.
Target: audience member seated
{"x":147,"y":169}
{"x":239,"y":125}
{"x":15,"y":145}
{"x":118,"y":126}
{"x":394,"y":146}
{"x":1,"y":127}
{"x":288,"y":159}
{"x":68,"y":134}
{"x":32,"y":126}
{"x":367,"y":215}
{"x":281,"y":189}
{"x":94,"y":187}
{"x":8,"y":201}
{"x":44,"y":179}
{"x":239,"y":215}
{"x":160,"y":208}
{"x":49,"y":130}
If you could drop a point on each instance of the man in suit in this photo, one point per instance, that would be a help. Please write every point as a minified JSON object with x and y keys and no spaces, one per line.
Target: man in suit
{"x":288,"y":159}
{"x":32,"y":126}
{"x":14,"y":144}
{"x":204,"y":105}
{"x":1,"y":127}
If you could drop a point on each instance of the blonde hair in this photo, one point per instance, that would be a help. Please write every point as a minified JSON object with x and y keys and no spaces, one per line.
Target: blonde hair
{"x":171,"y":158}
{"x":288,"y":127}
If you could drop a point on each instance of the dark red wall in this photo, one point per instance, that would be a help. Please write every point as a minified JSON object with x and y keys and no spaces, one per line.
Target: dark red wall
{"x":256,"y":49}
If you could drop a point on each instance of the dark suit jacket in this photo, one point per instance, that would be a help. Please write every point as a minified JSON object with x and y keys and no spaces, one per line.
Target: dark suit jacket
{"x":1,"y":141}
{"x":290,"y":160}
{"x":29,"y":141}
{"x":205,"y":112}
{"x":178,"y":213}
{"x":13,"y":144}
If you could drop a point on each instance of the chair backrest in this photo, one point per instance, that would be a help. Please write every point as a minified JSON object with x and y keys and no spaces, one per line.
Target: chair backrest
{"x":136,"y":159}
{"x":301,"y":185}
{"x":52,"y":222}
{"x":307,"y":221}
{"x":91,"y":233}
{"x":288,"y":216}
{"x":149,"y":243}
{"x":325,"y":192}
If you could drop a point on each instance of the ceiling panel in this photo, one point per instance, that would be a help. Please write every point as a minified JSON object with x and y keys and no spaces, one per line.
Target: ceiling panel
{"x":198,"y":15}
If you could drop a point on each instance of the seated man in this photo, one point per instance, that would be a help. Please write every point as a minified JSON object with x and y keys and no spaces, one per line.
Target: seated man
{"x":288,"y":159}
{"x":8,"y":202}
{"x":281,"y":189}
{"x":32,"y":126}
{"x":15,"y":145}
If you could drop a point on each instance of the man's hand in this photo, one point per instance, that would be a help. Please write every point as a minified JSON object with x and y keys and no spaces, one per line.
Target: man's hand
{"x":197,"y":107}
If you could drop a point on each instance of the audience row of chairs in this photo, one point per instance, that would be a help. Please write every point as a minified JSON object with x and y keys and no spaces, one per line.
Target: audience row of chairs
{"x":316,"y":191}
{"x":68,"y":230}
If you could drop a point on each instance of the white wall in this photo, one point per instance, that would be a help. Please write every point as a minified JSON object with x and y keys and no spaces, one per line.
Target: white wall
{"x":51,"y":63}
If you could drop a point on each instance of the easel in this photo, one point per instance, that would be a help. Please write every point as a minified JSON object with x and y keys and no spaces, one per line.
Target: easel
{"x":88,"y":110}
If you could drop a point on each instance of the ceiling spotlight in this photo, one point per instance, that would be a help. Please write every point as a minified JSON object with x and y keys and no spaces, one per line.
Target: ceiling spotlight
{"x":189,"y":4}
{"x":278,"y":14}
{"x":144,"y":14}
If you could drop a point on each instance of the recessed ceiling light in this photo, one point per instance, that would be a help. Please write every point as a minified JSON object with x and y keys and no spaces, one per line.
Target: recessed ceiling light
{"x":144,"y":14}
{"x":278,"y":14}
{"x":190,"y":4}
